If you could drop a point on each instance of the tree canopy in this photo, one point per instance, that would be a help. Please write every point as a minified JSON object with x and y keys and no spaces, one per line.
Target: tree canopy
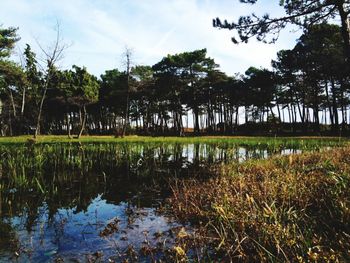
{"x":306,"y":91}
{"x":303,"y":13}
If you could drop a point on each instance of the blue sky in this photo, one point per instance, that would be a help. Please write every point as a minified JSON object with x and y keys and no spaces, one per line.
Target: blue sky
{"x":99,"y":30}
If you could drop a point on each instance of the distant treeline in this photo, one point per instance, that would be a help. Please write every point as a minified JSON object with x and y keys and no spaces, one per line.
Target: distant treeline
{"x":306,"y":92}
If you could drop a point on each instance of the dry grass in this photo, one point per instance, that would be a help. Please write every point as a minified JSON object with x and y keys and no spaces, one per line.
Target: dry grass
{"x":290,"y":209}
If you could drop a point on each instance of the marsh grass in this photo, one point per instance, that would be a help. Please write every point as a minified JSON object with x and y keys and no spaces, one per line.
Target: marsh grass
{"x":285,"y":209}
{"x":26,"y":162}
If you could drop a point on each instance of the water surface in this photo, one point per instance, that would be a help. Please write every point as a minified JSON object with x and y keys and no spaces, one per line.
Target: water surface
{"x":78,"y":202}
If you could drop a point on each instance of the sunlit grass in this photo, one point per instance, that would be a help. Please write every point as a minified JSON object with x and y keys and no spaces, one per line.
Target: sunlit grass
{"x":286,"y":209}
{"x":232,"y":140}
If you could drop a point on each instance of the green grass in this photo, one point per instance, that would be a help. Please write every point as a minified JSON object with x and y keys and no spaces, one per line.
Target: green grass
{"x":243,"y":141}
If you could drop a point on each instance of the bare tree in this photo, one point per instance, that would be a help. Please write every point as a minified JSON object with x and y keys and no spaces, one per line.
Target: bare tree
{"x":52,"y":55}
{"x":22,"y":63}
{"x":127,"y":61}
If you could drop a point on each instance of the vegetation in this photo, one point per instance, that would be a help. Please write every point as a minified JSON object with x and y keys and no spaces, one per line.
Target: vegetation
{"x":293,"y":208}
{"x":307,"y":92}
{"x":270,"y":142}
{"x":53,"y":182}
{"x":100,"y":187}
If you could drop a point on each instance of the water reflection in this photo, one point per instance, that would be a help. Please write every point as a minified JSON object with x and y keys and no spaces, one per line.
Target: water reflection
{"x":71,"y":201}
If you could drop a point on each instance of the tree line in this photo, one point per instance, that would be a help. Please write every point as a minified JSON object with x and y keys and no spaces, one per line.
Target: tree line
{"x":306,"y":91}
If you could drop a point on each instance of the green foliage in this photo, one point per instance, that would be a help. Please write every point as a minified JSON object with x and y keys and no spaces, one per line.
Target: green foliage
{"x":113,"y":90}
{"x":261,"y":87}
{"x":84,"y":86}
{"x":314,"y":72}
{"x":183,"y":74}
{"x":11,"y":74}
{"x":8,"y":39}
{"x":31,"y":69}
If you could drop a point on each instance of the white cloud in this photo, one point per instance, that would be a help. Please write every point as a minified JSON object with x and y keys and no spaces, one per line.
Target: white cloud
{"x":153,"y":28}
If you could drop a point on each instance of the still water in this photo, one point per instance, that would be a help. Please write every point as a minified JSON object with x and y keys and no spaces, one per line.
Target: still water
{"x":99,"y":202}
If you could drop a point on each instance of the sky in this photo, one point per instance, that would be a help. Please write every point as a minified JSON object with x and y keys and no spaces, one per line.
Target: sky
{"x":98,"y":31}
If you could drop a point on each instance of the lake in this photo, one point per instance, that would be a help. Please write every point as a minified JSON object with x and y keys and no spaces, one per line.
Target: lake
{"x":101,"y":201}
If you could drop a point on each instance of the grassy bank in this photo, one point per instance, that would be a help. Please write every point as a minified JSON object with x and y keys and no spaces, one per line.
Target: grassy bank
{"x":286,"y":209}
{"x":291,"y":142}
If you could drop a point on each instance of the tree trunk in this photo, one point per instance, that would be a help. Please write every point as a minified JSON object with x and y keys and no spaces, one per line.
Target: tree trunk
{"x":196,"y":119}
{"x":316,"y":117}
{"x":334,"y":105}
{"x":12,"y":103}
{"x":128,"y":64}
{"x":278,"y":112}
{"x":300,"y":113}
{"x":10,"y":123}
{"x":83,"y":122}
{"x":126,"y":121}
{"x":345,"y":29}
{"x":68,"y":125}
{"x":46,"y":85}
{"x":246,"y":114}
{"x":23,"y":101}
